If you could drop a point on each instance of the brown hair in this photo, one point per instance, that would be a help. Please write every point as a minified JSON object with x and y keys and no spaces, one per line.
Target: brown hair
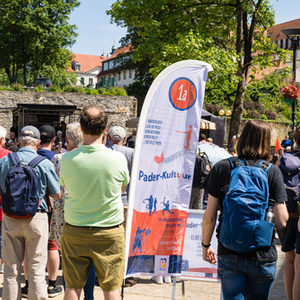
{"x":93,"y":120}
{"x":255,"y":141}
{"x":296,"y":136}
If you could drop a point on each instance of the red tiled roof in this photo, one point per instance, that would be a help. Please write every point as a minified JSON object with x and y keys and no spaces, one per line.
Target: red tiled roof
{"x":121,"y":50}
{"x":274,"y":32}
{"x":87,"y":62}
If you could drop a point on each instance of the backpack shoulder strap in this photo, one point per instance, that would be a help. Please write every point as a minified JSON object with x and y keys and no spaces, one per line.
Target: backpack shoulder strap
{"x":14,"y":158}
{"x":36,"y":161}
{"x":264,"y":165}
{"x":235,"y":162}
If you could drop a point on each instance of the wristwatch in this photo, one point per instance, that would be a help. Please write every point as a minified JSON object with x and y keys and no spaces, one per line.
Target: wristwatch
{"x":205,"y":246}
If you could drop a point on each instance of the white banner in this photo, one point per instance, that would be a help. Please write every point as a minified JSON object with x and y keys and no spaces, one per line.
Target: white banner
{"x":163,"y":166}
{"x":193,"y":265}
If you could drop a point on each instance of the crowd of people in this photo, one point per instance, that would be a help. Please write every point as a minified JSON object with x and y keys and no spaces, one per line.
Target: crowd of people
{"x":75,"y":210}
{"x":82,"y":175}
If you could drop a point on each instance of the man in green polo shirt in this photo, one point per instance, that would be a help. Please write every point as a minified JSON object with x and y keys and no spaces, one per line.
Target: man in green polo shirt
{"x":94,"y":177}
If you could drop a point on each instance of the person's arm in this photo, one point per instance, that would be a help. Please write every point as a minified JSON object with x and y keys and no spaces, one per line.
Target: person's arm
{"x":281,"y":215}
{"x":208,"y":226}
{"x":124,"y":186}
{"x":56,"y":196}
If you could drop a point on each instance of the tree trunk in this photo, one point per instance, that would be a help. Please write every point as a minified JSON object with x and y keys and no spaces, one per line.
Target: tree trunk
{"x":237,"y":113}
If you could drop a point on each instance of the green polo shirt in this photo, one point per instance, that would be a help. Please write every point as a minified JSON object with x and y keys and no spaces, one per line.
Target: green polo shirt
{"x":93,"y":176}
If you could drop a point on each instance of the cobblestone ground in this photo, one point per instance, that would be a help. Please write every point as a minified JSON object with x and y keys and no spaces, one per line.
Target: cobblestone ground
{"x":194,"y":290}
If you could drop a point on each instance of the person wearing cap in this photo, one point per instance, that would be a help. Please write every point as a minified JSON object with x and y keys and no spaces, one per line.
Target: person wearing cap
{"x":48,"y":135}
{"x":28,"y":236}
{"x":117,"y":139}
{"x":94,"y":177}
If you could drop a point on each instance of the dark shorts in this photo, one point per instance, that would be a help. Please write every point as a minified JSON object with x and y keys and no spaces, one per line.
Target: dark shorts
{"x":290,"y":239}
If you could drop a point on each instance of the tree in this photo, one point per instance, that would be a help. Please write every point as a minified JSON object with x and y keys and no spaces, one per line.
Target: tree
{"x":236,"y":27}
{"x":33,"y":34}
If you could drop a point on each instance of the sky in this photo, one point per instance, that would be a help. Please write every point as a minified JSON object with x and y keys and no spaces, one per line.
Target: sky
{"x":96,"y":34}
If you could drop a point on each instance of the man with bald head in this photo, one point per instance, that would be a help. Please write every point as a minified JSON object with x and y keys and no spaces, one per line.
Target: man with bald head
{"x":94,"y":176}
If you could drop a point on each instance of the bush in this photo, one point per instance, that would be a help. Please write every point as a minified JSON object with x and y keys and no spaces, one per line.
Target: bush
{"x":259,"y":107}
{"x":101,"y":90}
{"x":254,"y":114}
{"x":213,"y":108}
{"x":115,"y":91}
{"x":17,"y":87}
{"x":90,"y":91}
{"x":270,"y":115}
{"x":39,"y":88}
{"x":73,"y":89}
{"x":55,"y":89}
{"x":248,"y":104}
{"x":5,"y":88}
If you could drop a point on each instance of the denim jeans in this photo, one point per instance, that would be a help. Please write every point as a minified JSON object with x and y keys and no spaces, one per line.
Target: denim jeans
{"x":244,"y":278}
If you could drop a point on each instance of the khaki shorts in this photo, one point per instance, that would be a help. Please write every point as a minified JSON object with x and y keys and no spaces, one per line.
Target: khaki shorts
{"x":106,"y":247}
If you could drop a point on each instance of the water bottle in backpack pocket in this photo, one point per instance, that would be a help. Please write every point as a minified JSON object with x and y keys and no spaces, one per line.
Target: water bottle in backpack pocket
{"x":243,"y":226}
{"x":21,"y":199}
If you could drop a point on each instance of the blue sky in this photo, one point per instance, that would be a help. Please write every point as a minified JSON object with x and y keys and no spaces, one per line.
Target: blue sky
{"x":96,"y":35}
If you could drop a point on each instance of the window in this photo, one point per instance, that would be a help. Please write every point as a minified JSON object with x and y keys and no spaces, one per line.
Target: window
{"x":91,"y":81}
{"x":77,"y":67}
{"x":119,"y":76}
{"x":124,"y":75}
{"x":287,"y":44}
{"x":130,"y":74}
{"x":82,"y":80}
{"x":281,"y":44}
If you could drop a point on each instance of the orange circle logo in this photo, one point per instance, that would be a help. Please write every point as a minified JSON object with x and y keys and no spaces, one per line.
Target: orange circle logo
{"x":182,"y":93}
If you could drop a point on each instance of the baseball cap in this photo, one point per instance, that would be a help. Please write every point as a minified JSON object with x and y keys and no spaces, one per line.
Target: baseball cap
{"x":31,"y":131}
{"x":47,"y":133}
{"x":117,"y":133}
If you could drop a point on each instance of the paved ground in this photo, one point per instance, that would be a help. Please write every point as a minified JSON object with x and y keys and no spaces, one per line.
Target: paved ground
{"x":194,"y":290}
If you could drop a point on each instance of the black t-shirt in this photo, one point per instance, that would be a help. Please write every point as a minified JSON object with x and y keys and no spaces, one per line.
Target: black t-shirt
{"x":216,"y":185}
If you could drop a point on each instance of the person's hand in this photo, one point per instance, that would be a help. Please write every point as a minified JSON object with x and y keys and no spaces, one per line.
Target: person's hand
{"x":208,"y":255}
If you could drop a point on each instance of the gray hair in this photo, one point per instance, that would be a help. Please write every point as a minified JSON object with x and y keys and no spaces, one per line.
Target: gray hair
{"x":74,"y":134}
{"x":3,"y":132}
{"x":27,"y":140}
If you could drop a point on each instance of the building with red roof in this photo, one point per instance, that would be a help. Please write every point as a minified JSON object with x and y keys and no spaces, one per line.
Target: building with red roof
{"x":118,"y":69}
{"x":86,"y":67}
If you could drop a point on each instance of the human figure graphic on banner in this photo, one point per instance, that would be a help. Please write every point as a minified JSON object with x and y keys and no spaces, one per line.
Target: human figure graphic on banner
{"x":138,"y":239}
{"x":148,"y":231}
{"x":167,"y":207}
{"x":154,"y":205}
{"x":149,"y":206}
{"x":188,"y":138}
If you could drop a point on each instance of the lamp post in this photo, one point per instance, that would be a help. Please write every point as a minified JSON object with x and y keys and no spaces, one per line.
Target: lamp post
{"x":293,"y":34}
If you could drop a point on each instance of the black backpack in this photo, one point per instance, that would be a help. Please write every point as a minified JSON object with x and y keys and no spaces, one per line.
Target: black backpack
{"x":290,"y":168}
{"x":201,"y":169}
{"x":20,"y":199}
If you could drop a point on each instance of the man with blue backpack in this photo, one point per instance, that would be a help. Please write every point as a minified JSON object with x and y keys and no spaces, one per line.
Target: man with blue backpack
{"x":290,"y":237}
{"x":250,"y":193}
{"x":25,"y":178}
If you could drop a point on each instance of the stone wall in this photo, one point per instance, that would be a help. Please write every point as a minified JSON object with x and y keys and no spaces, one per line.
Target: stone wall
{"x":279,"y":130}
{"x":118,"y":108}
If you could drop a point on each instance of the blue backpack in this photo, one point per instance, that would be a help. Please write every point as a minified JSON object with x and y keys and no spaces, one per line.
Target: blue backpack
{"x":290,"y":168}
{"x":21,"y":199}
{"x":243,"y":226}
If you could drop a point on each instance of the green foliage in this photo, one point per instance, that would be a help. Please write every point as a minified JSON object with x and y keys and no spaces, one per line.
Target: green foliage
{"x":90,"y":91}
{"x":73,"y":89}
{"x":55,"y":89}
{"x":115,"y":91}
{"x":17,"y":87}
{"x":39,"y":88}
{"x":101,"y":90}
{"x":232,"y":30}
{"x":34,"y":35}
